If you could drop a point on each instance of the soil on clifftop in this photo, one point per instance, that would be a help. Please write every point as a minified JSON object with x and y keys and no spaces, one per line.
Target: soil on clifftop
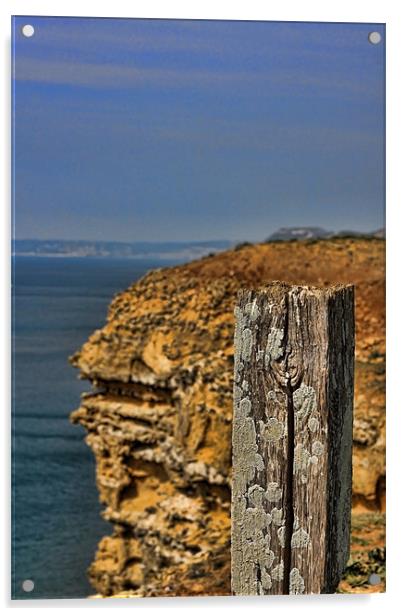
{"x":159,"y":415}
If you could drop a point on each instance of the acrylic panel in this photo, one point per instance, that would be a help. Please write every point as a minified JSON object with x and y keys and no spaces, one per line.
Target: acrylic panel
{"x":160,"y":167}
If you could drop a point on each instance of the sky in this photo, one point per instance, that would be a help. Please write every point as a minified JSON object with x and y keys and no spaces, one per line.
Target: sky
{"x":176,"y":130}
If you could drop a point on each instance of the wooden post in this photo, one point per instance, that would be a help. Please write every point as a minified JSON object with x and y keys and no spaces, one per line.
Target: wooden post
{"x":292,"y":439}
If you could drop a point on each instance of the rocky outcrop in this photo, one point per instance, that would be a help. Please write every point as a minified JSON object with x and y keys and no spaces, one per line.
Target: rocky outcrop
{"x":160,"y":413}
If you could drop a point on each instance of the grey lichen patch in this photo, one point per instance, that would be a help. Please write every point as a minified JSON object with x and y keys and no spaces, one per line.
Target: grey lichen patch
{"x":300,"y":459}
{"x":317,"y":448}
{"x":272,"y":431}
{"x":251,"y":309}
{"x":274,"y":345}
{"x":239,"y":366}
{"x":313,"y":460}
{"x":250,"y":535}
{"x":245,"y":407}
{"x":296,"y":582}
{"x":300,"y":539}
{"x":237,"y":394}
{"x":269,"y":518}
{"x":239,"y":509}
{"x":238,"y":329}
{"x":243,"y":340}
{"x":304,"y":401}
{"x":274,"y":492}
{"x":281,"y":536}
{"x":245,"y":452}
{"x":266,"y":581}
{"x":277,"y":517}
{"x":254,"y":552}
{"x":237,"y":312}
{"x":262,"y":555}
{"x":277,"y":572}
{"x":244,"y":572}
{"x":255,"y":520}
{"x":255,"y":495}
{"x":246,"y":344}
{"x":313,"y":424}
{"x":259,"y":462}
{"x":245,"y":385}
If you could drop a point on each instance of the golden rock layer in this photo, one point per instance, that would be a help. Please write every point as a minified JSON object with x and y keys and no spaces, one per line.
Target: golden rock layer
{"x":159,"y":417}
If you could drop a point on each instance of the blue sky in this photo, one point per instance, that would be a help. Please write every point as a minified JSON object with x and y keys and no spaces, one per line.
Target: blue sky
{"x":194,"y":130}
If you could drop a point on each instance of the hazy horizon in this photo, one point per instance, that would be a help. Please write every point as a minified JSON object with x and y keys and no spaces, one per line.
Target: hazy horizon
{"x":169,"y":130}
{"x":184,"y":241}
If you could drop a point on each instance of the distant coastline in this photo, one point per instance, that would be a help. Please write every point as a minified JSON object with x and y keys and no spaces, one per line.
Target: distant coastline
{"x":187,"y":251}
{"x":151,"y":256}
{"x":136,"y":250}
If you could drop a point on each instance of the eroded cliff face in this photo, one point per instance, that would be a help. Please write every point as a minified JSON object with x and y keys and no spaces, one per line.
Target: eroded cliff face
{"x":159,"y":417}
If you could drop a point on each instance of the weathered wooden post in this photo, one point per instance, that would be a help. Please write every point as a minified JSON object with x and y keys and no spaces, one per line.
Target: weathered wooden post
{"x":292,"y":438}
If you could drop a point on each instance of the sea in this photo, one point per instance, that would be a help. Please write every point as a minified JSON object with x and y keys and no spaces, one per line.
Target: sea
{"x":56,"y":523}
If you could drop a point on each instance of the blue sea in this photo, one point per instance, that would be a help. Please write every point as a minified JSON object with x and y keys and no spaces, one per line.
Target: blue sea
{"x":58,"y":302}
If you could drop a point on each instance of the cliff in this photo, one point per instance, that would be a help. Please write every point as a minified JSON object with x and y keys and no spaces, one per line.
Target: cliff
{"x":159,"y":416}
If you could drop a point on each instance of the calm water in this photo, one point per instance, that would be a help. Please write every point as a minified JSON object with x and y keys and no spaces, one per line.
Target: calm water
{"x":58,"y":302}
